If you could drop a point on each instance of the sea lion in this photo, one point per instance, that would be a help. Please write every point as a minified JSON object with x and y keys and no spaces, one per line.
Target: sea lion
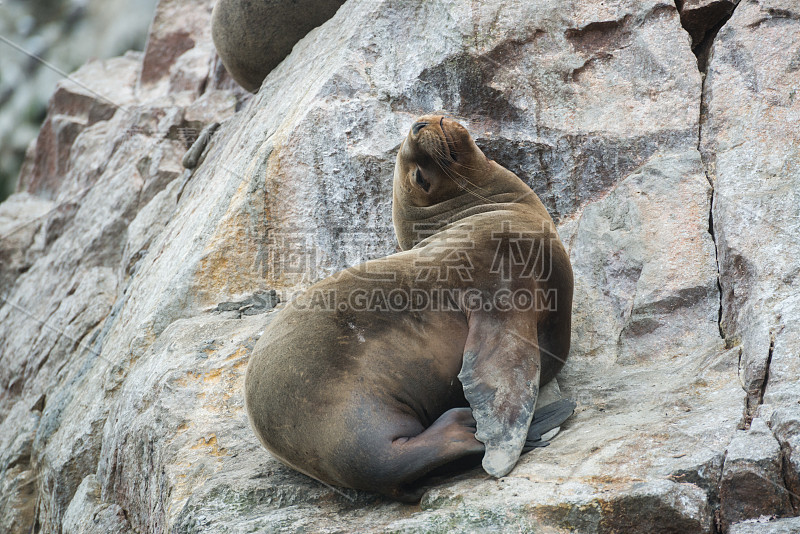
{"x":253,"y":36}
{"x":382,"y":373}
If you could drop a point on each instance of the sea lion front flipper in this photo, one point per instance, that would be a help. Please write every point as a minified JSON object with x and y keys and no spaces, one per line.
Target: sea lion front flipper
{"x":546,"y":419}
{"x":500,"y":375}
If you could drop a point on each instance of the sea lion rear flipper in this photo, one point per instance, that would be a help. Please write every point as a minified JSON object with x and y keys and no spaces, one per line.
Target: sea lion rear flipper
{"x":500,"y":375}
{"x":546,"y":419}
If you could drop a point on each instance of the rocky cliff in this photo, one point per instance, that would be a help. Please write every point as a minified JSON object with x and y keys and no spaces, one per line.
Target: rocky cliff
{"x":661,"y":136}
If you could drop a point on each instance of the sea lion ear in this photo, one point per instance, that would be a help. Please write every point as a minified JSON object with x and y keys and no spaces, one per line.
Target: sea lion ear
{"x":500,"y":375}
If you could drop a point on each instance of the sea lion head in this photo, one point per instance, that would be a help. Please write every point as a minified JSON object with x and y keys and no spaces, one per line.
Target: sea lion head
{"x":439,"y":168}
{"x":436,"y":162}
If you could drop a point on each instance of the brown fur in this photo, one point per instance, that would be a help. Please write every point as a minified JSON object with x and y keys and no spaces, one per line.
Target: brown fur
{"x":373,"y":399}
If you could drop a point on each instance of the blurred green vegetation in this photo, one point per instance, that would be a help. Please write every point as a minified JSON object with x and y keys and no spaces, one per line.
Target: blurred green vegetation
{"x":66,"y":33}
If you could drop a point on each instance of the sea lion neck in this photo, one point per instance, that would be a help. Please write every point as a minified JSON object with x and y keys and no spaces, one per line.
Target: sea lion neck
{"x":414,"y":224}
{"x":422,"y":222}
{"x":441,"y":176}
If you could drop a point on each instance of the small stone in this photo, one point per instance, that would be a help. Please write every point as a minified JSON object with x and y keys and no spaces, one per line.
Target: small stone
{"x":767,"y":525}
{"x":752,"y":481}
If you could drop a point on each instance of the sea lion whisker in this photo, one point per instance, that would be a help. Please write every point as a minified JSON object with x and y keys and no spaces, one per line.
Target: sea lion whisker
{"x":470,"y":191}
{"x":447,"y":173}
{"x":440,"y":154}
{"x":473,"y":184}
{"x":466,"y":189}
{"x":462,"y":165}
{"x":336,"y":490}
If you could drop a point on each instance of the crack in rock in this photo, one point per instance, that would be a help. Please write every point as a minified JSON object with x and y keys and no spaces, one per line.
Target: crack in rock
{"x":755,"y":391}
{"x":702,"y":19}
{"x":703,"y":23}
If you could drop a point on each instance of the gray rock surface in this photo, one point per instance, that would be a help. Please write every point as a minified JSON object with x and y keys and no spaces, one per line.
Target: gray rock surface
{"x":21,"y":229}
{"x":128,"y":319}
{"x":767,"y":526}
{"x":87,"y":514}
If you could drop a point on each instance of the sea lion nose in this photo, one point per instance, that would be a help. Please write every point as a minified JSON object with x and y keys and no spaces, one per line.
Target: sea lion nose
{"x":418,"y":126}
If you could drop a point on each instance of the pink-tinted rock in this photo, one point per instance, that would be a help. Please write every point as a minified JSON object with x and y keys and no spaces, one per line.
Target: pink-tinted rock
{"x":93,"y":94}
{"x":177,"y":28}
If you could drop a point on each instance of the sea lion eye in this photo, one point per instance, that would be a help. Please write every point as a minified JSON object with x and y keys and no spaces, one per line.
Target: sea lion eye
{"x":422,"y":181}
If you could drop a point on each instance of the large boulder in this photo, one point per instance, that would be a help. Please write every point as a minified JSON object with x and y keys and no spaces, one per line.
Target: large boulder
{"x":125,"y":332}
